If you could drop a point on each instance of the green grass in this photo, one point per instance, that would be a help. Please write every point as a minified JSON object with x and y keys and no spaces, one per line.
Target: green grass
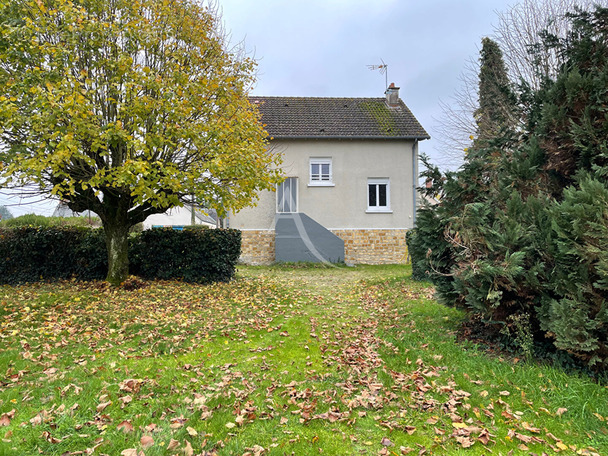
{"x":286,"y":359}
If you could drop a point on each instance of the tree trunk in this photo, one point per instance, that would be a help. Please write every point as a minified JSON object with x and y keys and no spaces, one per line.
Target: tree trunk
{"x":117,"y":244}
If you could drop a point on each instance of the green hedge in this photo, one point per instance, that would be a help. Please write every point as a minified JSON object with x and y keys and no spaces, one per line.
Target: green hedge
{"x":192,"y":255}
{"x":30,"y":254}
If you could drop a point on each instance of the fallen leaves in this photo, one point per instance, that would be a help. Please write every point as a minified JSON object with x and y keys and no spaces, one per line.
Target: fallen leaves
{"x":186,"y":371}
{"x":125,"y":426}
{"x":132,"y":452}
{"x":386,"y":442}
{"x":5,"y":418}
{"x":173,"y":444}
{"x":102,"y":406}
{"x":146,"y":441}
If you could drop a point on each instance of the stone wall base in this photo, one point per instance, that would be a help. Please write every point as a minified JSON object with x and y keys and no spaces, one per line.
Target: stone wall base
{"x":257,"y":247}
{"x":372,"y":246}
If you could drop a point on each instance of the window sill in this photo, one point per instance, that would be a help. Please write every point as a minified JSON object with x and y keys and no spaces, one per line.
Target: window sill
{"x":321,"y":184}
{"x":378,"y":211}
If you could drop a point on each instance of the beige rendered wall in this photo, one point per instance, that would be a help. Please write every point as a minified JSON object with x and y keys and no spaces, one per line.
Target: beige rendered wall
{"x":344,"y":205}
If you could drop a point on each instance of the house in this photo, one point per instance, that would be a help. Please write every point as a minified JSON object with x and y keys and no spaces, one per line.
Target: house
{"x":177,"y":217}
{"x":351,"y":167}
{"x":180,"y":217}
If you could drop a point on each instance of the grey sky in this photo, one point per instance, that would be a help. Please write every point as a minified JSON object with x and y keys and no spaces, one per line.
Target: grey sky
{"x":322,"y":48}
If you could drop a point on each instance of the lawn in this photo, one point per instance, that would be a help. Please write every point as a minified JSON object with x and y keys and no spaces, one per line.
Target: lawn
{"x":282,"y":360}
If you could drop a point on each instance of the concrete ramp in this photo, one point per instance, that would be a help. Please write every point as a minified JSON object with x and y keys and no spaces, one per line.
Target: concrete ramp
{"x":300,"y":238}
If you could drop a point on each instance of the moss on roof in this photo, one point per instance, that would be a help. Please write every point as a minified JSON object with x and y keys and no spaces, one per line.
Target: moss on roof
{"x":381,"y":114}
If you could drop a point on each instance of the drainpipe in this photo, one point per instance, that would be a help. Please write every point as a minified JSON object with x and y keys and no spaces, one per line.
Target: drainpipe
{"x":414,"y":176}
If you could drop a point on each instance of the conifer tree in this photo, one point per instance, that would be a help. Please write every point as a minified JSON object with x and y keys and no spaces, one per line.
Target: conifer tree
{"x":525,"y":220}
{"x":496,"y":99}
{"x":5,"y":214}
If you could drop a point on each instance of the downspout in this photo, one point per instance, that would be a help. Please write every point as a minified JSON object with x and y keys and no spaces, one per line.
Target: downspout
{"x":414,"y":176}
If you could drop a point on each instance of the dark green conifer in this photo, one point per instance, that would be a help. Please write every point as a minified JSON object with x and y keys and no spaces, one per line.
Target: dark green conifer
{"x":524,"y":222}
{"x":496,"y":111}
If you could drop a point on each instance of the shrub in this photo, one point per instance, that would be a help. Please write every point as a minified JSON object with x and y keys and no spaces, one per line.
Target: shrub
{"x":525,"y":221}
{"x":43,"y":221}
{"x":192,"y":255}
{"x":574,"y":310}
{"x":30,"y":254}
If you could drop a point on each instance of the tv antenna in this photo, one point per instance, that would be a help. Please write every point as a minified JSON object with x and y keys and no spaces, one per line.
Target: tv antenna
{"x":383,"y":70}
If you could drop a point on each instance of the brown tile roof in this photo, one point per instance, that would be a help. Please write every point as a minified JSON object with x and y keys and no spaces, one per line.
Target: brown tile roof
{"x":346,"y":118}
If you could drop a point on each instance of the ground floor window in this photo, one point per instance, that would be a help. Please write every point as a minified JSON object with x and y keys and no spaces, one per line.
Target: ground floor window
{"x":287,"y":195}
{"x":378,"y":195}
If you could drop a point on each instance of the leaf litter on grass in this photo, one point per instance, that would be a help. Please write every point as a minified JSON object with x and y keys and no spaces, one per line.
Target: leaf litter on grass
{"x":172,"y":368}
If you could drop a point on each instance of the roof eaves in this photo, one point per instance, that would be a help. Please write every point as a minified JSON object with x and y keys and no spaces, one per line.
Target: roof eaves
{"x":343,"y":137}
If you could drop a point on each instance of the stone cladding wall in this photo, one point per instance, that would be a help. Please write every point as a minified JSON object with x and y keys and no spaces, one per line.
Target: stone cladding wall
{"x":371,"y":246}
{"x":374,"y":246}
{"x":257,"y":247}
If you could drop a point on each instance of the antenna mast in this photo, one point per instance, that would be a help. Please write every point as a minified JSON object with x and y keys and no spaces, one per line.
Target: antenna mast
{"x":383,"y":70}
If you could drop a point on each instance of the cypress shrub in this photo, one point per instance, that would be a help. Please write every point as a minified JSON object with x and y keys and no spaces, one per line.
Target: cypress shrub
{"x":417,"y":255}
{"x":525,"y":219}
{"x":574,"y":310}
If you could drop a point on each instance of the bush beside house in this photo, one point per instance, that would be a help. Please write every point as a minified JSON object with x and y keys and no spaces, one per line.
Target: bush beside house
{"x":30,"y":254}
{"x":520,"y":236}
{"x":196,"y":254}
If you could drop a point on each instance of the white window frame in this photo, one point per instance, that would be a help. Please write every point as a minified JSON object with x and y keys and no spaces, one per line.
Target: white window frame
{"x":292,"y":205}
{"x":378,"y":208}
{"x":319,"y":181}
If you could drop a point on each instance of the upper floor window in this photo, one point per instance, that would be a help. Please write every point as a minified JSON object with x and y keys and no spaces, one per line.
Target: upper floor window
{"x":378,"y":195}
{"x":321,"y":172}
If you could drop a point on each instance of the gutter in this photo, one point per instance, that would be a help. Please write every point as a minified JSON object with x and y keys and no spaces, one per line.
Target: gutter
{"x":414,"y":177}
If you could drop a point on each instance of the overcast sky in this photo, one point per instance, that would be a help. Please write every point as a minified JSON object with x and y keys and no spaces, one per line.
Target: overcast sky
{"x":323,"y":47}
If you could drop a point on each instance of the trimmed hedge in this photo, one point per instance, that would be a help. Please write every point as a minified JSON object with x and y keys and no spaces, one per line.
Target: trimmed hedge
{"x":31,"y":254}
{"x":191,"y":255}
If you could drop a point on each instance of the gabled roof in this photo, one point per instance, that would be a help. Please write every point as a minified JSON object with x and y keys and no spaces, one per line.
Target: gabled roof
{"x":337,"y":118}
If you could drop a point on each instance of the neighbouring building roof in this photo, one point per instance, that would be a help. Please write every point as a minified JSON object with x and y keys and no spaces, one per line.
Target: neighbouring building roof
{"x":337,"y":118}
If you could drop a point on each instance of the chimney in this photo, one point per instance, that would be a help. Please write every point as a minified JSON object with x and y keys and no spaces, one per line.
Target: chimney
{"x":392,"y":95}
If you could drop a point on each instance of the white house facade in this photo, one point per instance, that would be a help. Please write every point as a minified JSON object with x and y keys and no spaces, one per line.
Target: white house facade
{"x":179,"y":217}
{"x":351,"y":169}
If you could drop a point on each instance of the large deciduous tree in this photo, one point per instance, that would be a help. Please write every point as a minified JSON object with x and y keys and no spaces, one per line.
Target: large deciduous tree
{"x":519,"y":27}
{"x":128,"y":108}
